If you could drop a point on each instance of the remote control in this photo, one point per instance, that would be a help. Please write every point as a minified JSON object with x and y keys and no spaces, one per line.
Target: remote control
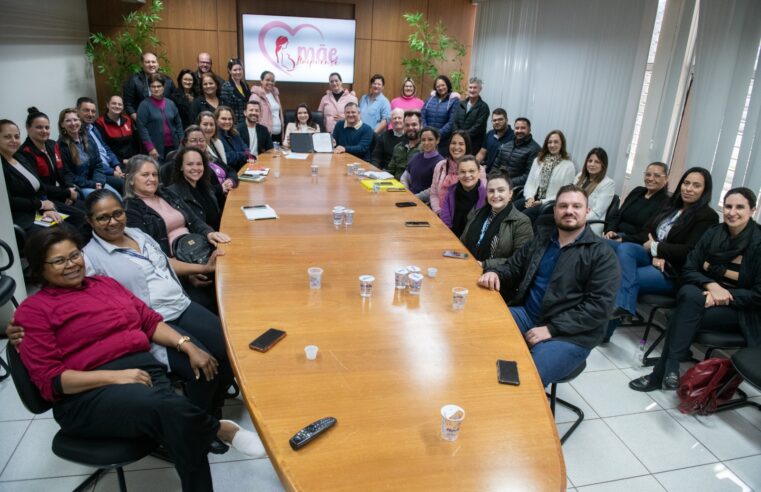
{"x":311,"y":431}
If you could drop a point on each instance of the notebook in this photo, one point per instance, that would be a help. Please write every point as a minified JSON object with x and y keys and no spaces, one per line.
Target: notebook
{"x":385,"y":184}
{"x":259,"y":212}
{"x":311,"y":142}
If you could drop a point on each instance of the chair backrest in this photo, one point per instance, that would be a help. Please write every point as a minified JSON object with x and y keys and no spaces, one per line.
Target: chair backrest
{"x":612,"y":208}
{"x":317,"y":116}
{"x":7,"y":283}
{"x":8,"y":253}
{"x":27,"y":391}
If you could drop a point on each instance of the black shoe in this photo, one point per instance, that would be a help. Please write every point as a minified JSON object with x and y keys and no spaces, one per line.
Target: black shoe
{"x":218,"y":447}
{"x":620,"y":313}
{"x":671,"y":381}
{"x":645,"y":384}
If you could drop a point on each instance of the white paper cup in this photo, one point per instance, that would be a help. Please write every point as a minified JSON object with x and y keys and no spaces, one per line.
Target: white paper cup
{"x":451,"y":418}
{"x":400,"y":278}
{"x":432,"y":272}
{"x":311,"y":351}
{"x":415,"y":283}
{"x":348,"y":216}
{"x":459,"y":296}
{"x":314,"y":168}
{"x":315,"y":277}
{"x":366,"y":285}
{"x":338,"y":215}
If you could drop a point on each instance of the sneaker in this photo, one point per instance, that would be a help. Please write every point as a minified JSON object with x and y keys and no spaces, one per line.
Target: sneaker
{"x":246,"y":442}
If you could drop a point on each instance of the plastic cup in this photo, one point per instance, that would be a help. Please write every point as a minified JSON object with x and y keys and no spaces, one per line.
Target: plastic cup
{"x":366,"y":285}
{"x":311,"y":351}
{"x":432,"y":272}
{"x":413,"y":269}
{"x":376,"y":188}
{"x":400,"y":278}
{"x":451,"y":418}
{"x":360,"y":173}
{"x":338,"y":215}
{"x":459,"y":296}
{"x":315,"y":168}
{"x":315,"y":277}
{"x":415,"y":283}
{"x":348,"y":216}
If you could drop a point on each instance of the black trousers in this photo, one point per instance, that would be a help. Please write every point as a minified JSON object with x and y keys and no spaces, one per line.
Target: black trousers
{"x":688,"y":318}
{"x":135,"y":410}
{"x":205,"y":330}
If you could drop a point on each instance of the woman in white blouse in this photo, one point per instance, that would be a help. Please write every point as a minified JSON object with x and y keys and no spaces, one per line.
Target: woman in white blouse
{"x":552,"y":169}
{"x":303,"y":124}
{"x":599,"y":187}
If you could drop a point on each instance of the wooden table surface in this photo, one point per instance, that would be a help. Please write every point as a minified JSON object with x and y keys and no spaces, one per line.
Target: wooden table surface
{"x":386,"y":364}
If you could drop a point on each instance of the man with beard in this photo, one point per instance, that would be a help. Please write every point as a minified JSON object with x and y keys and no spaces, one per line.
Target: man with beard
{"x":516,"y":156}
{"x":408,"y":147}
{"x":256,"y":137}
{"x":560,"y":287}
{"x":500,"y":134}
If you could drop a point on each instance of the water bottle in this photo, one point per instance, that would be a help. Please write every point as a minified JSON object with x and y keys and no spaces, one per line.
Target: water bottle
{"x":639,"y":353}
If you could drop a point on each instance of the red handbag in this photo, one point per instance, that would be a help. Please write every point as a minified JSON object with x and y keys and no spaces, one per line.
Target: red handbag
{"x":708,"y":384}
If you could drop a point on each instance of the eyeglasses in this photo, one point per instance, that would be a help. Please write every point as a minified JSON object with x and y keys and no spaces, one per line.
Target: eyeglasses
{"x":60,"y":263}
{"x":156,"y":86}
{"x":105,"y":218}
{"x":654,"y":175}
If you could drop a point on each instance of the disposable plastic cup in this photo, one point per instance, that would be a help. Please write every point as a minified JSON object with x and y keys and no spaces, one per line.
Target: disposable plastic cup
{"x":451,"y":419}
{"x":432,"y":272}
{"x":415,"y":283}
{"x":366,"y":285}
{"x":311,"y":351}
{"x":459,"y":296}
{"x":315,"y":277}
{"x":400,"y":278}
{"x":338,"y":215}
{"x":413,"y":269}
{"x":315,"y":168}
{"x":348,"y":216}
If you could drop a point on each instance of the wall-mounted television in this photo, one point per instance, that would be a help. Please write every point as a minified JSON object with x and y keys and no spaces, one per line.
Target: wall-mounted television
{"x":298,"y":49}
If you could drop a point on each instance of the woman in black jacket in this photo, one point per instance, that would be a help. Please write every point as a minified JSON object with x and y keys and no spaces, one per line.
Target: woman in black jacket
{"x":192,"y":181}
{"x":652,"y":262}
{"x":183,"y":95}
{"x":166,"y":217}
{"x":642,"y":204}
{"x":721,"y":289}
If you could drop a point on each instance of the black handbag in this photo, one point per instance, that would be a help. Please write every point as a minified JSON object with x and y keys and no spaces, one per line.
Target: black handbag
{"x":192,"y":248}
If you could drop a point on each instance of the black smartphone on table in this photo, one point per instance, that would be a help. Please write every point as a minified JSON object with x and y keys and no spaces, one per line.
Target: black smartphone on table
{"x":454,"y":254}
{"x":417,"y":223}
{"x":406,"y":204}
{"x":507,"y":372}
{"x":266,"y":340}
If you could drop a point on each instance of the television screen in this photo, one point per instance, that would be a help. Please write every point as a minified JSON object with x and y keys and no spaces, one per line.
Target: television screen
{"x":298,"y":49}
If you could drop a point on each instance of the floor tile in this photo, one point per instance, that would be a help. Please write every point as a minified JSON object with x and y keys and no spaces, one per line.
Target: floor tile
{"x":659,"y":441}
{"x":748,"y":469}
{"x":751,"y":414}
{"x":620,"y":349}
{"x":161,"y":480}
{"x":50,"y":484}
{"x":608,"y":393}
{"x":598,"y":362}
{"x":594,"y":454}
{"x":727,"y":435}
{"x":11,"y":433}
{"x":256,"y":475}
{"x":569,"y":483}
{"x":715,"y":478}
{"x":750,"y":389}
{"x":12,"y":408}
{"x":35,"y":459}
{"x":644,"y":483}
{"x":567,"y":393}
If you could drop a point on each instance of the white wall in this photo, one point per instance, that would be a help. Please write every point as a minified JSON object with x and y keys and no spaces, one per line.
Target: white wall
{"x":43,"y":64}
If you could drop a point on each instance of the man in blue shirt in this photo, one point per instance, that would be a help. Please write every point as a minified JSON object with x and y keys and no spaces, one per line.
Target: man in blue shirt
{"x":560,"y":287}
{"x":501,"y":133}
{"x":352,"y":135}
{"x":88,"y":113}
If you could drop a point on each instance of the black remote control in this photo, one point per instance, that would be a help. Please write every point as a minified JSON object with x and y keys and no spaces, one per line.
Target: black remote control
{"x":310,"y":432}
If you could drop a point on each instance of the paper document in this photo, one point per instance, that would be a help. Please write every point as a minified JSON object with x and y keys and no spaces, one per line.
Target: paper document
{"x":323,"y":142}
{"x":378,"y":175}
{"x":297,"y":156}
{"x":259,"y":212}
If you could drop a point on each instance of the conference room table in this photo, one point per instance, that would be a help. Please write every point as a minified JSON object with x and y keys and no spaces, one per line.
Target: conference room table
{"x":386,"y":364}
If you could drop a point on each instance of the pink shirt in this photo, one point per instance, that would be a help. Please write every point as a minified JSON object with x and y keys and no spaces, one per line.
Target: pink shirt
{"x":81,"y":329}
{"x":174,"y":220}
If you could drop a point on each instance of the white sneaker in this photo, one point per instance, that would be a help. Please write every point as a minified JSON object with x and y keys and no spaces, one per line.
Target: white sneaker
{"x":246,"y":442}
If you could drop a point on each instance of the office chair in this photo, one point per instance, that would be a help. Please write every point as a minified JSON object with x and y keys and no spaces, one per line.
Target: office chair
{"x":7,"y":289}
{"x":747,"y":362}
{"x":554,"y":400}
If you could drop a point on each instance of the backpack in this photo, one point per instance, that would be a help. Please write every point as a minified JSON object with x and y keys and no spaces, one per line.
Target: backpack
{"x":707,"y":385}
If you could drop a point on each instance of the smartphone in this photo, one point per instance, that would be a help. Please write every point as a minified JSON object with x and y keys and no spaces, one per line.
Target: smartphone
{"x":454,"y":254}
{"x":406,"y":204}
{"x":507,"y":372}
{"x":266,"y":340}
{"x":417,"y":223}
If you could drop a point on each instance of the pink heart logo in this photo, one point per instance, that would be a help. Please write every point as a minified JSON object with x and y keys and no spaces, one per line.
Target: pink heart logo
{"x":292,"y":31}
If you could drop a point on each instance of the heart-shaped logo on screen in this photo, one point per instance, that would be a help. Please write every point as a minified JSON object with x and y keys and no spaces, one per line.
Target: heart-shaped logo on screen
{"x":284,"y":58}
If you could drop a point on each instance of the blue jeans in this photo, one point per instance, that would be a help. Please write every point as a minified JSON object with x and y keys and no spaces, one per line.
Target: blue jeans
{"x":554,"y":359}
{"x":638,"y":276}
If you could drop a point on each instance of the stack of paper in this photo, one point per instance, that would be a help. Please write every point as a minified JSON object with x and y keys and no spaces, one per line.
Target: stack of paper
{"x":259,"y":212}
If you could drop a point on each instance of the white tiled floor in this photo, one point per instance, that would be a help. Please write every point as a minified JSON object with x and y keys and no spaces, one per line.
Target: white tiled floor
{"x":628,"y":441}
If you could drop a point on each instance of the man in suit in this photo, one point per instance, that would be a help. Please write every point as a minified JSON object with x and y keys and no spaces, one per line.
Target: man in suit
{"x":256,"y":136}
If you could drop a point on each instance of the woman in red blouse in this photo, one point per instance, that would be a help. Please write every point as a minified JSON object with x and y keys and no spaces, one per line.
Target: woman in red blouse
{"x":95,"y":366}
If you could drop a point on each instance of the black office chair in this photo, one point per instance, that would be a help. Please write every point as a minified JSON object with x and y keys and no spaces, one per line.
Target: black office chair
{"x":317,"y":116}
{"x":103,"y":454}
{"x":655,"y":302}
{"x":7,"y":289}
{"x":554,"y":400}
{"x":747,"y":362}
{"x":719,"y":340}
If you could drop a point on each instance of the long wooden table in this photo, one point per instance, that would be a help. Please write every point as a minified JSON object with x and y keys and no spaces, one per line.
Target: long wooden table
{"x":386,"y":364}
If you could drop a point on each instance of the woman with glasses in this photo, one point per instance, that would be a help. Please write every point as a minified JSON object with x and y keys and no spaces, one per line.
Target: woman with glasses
{"x":642,"y":203}
{"x":159,"y":122}
{"x":113,"y":386}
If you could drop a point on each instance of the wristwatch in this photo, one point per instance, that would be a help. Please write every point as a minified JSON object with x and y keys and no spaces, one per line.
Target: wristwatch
{"x":181,"y":341}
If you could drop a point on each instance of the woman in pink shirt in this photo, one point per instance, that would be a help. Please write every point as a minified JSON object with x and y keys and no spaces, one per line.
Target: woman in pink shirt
{"x":334,"y":101}
{"x":268,"y":98}
{"x":408,"y":100}
{"x":445,"y":174}
{"x":95,"y":366}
